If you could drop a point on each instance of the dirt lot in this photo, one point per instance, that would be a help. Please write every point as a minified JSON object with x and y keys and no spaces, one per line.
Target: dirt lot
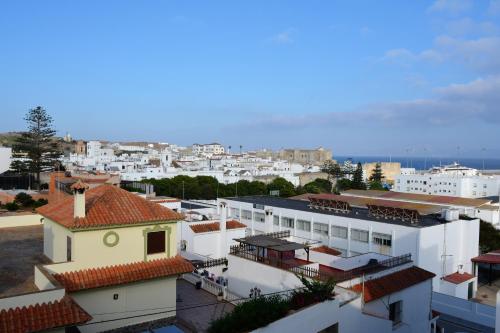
{"x":20,"y":249}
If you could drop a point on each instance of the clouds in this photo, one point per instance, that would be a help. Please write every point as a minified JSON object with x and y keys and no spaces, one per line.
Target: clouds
{"x":450,"y":6}
{"x":283,"y":37}
{"x":456,"y":104}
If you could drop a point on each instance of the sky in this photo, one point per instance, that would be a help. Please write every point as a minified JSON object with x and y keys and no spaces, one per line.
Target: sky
{"x":359,"y":77}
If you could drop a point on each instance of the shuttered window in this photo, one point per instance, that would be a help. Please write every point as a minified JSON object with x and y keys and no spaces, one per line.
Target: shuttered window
{"x":156,"y":242}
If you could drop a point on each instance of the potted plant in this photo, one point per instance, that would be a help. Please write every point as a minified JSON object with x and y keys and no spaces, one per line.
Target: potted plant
{"x":220,"y":296}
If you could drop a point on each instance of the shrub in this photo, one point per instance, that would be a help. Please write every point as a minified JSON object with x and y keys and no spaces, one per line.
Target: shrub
{"x":40,"y":203}
{"x":11,"y":206}
{"x":24,"y":199}
{"x":251,"y":315}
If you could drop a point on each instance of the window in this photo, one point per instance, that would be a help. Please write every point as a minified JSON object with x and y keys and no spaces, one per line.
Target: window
{"x":246,"y":214}
{"x":359,"y":235}
{"x":304,"y":225}
{"x":382,"y":239}
{"x":321,"y":228}
{"x":258,"y":206}
{"x":259,"y":217}
{"x":156,"y":242}
{"x":68,"y":248}
{"x":395,"y":312}
{"x":287,"y":222}
{"x":276,"y":220}
{"x":340,"y":232}
{"x":235,"y":212}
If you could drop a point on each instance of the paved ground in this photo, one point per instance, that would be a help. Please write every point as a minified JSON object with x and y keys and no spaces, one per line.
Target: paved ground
{"x":20,"y":249}
{"x":194,"y":316}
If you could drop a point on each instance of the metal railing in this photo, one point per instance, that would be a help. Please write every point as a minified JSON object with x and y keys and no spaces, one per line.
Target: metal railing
{"x":211,"y":263}
{"x":249,"y":252}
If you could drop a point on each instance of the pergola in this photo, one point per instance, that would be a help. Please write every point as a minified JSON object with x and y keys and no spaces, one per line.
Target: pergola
{"x":261,"y":242}
{"x":491,"y":259}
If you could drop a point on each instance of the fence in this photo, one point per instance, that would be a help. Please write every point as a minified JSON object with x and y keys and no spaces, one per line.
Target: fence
{"x":211,"y":263}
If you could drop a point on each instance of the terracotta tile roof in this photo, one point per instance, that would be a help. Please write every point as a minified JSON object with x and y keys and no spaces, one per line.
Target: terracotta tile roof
{"x":488,"y":258}
{"x":214,"y":226}
{"x":458,"y":278}
{"x":122,"y":274}
{"x":107,"y":205}
{"x":391,"y":283}
{"x":327,"y":250}
{"x":44,"y":316}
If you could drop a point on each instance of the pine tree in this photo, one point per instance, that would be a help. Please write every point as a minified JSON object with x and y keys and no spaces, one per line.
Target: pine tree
{"x":36,"y":150}
{"x":357,"y":178}
{"x":377,"y":174}
{"x":334,"y":172}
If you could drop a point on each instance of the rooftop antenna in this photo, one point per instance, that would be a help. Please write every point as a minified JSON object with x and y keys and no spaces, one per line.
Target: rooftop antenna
{"x":483,"y":150}
{"x":425,"y":158}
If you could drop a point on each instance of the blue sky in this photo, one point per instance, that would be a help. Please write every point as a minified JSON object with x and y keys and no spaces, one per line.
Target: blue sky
{"x":360,"y":77}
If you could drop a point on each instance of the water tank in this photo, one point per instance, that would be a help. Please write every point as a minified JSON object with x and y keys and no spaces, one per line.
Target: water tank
{"x":451,"y":214}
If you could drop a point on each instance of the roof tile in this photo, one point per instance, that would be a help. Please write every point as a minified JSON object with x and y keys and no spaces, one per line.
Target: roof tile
{"x":41,"y":317}
{"x":122,"y":274}
{"x":107,"y":205}
{"x":458,"y":278}
{"x":391,"y":283}
{"x":214,"y":226}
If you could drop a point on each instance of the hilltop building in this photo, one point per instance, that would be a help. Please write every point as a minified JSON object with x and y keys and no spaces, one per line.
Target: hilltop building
{"x":306,"y":156}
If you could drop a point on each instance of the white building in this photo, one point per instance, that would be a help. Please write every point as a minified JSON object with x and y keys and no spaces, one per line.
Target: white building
{"x":439,"y":245}
{"x":482,"y":208}
{"x":452,"y":180}
{"x":208,"y":149}
{"x":374,"y":293}
{"x":5,"y":158}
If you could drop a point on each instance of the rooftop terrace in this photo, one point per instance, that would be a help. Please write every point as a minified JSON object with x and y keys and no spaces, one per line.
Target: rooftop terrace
{"x":355,"y":212}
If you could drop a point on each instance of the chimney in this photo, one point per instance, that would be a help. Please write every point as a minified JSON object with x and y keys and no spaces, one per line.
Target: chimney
{"x":79,"y":189}
{"x":222,"y":227}
{"x":269,"y":220}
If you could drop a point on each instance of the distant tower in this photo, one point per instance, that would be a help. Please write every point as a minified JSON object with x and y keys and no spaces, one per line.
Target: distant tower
{"x":67,"y":137}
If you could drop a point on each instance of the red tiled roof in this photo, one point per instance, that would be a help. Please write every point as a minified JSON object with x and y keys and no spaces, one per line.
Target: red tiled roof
{"x":488,"y":258}
{"x":214,"y":226}
{"x":44,"y":316}
{"x":122,"y":274}
{"x":326,"y":249}
{"x":388,"y":284}
{"x":107,"y":205}
{"x":458,"y":278}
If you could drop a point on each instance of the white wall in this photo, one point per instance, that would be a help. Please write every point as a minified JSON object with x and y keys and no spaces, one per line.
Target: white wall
{"x":244,"y":274}
{"x":133,"y":299}
{"x":442,"y":248}
{"x":20,"y":220}
{"x":54,"y":240}
{"x":416,"y":301}
{"x":311,"y":319}
{"x":5,"y":158}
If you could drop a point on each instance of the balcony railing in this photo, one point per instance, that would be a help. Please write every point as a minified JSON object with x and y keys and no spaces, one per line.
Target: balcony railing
{"x":299,"y":267}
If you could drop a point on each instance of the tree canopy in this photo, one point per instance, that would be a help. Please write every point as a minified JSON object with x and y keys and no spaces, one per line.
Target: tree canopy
{"x":37,"y":149}
{"x":357,"y":178}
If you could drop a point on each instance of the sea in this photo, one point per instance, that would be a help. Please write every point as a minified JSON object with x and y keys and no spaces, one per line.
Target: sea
{"x":423,"y":163}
